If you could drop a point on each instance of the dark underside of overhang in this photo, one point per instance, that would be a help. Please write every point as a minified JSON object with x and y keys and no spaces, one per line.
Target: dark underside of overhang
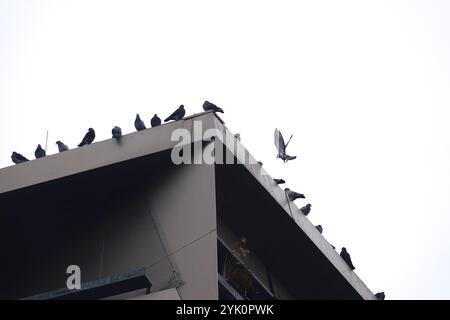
{"x":251,"y":212}
{"x":41,"y":221}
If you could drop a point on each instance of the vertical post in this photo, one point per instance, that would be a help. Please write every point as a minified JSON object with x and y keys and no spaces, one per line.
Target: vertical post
{"x":46,"y":140}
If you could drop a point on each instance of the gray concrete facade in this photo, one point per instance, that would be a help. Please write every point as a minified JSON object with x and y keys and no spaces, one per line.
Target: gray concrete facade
{"x":114,"y":207}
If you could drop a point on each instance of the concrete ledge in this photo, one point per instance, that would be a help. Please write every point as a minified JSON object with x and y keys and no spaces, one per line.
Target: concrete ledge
{"x":99,"y":154}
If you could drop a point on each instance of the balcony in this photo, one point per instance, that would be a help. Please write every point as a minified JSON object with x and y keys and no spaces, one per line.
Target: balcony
{"x":236,"y":280}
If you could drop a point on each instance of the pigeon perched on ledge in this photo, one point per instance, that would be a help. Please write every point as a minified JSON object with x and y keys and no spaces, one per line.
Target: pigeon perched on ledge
{"x":346,"y":256}
{"x":279,"y":181}
{"x":319,"y":228}
{"x":61,"y":146}
{"x":139,"y":124}
{"x":155,"y":121}
{"x":18,"y":158}
{"x":211,"y":106}
{"x":292,"y":195}
{"x":116,"y":132}
{"x":39,"y":153}
{"x":306,"y":209}
{"x":177,"y":114}
{"x":380,"y":295}
{"x":88,"y":138}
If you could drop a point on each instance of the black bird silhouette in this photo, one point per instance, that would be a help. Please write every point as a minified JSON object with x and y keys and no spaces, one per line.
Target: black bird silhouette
{"x":177,"y":114}
{"x":380,"y":295}
{"x":346,"y":256}
{"x":281,"y":146}
{"x":292,"y":195}
{"x":139,"y":124}
{"x":306,"y":209}
{"x":116,"y":132}
{"x":319,"y":228}
{"x":279,"y":181}
{"x":18,"y":158}
{"x":39,"y":153}
{"x":88,"y":137}
{"x":156,"y":121}
{"x":61,"y":146}
{"x":211,"y":106}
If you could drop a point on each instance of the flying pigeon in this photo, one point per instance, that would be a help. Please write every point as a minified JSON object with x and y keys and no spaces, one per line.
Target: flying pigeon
{"x":39,"y":153}
{"x":116,"y":132}
{"x":292,"y":195}
{"x":281,"y":146}
{"x":380,"y":295}
{"x":177,"y":114}
{"x":156,"y":121}
{"x":319,"y":228}
{"x":139,"y":124}
{"x":211,"y":106}
{"x":88,"y":137}
{"x":279,"y":181}
{"x":18,"y":158}
{"x":306,"y":209}
{"x":61,"y":146}
{"x":344,"y":254}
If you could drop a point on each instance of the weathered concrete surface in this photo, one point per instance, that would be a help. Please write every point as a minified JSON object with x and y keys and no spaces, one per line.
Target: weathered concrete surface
{"x":165,"y":234}
{"x":98,"y":154}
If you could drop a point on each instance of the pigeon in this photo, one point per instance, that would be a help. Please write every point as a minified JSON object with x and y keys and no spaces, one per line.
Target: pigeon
{"x":88,"y":138}
{"x":279,"y":181}
{"x":177,"y":114}
{"x":116,"y":132}
{"x":156,"y":121}
{"x":292,"y":195}
{"x":39,"y":153}
{"x":344,"y":254}
{"x":207,"y":106}
{"x":319,"y":228}
{"x":260,"y":163}
{"x":306,"y":209}
{"x":333,"y":246}
{"x":237,"y":136}
{"x":61,"y":146}
{"x":380,"y":295}
{"x":243,"y":248}
{"x":139,"y":124}
{"x":18,"y":158}
{"x":281,"y":146}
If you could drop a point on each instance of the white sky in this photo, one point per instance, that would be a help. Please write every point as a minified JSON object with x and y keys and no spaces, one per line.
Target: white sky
{"x":362,"y":85}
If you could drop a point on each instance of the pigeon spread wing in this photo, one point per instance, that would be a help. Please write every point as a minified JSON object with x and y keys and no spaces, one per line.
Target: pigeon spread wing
{"x":279,"y":142}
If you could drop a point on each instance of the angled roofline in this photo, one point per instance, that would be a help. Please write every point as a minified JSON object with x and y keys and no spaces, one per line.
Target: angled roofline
{"x":153,"y":140}
{"x":98,"y":154}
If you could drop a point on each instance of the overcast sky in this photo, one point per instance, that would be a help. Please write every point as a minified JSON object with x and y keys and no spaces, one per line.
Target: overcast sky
{"x":362,"y":85}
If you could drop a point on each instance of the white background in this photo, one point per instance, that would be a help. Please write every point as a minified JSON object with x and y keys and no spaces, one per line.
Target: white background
{"x":362,"y":85}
